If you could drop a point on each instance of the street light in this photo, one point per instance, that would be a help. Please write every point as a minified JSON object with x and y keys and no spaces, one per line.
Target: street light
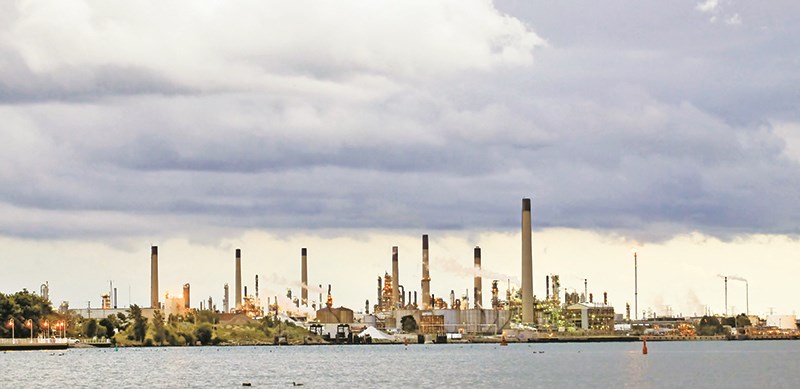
{"x":29,"y":325}
{"x":10,"y":324}
{"x":747,"y":297}
{"x":635,"y":286}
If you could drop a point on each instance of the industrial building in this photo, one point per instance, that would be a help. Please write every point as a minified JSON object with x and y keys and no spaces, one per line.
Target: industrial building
{"x":591,"y":316}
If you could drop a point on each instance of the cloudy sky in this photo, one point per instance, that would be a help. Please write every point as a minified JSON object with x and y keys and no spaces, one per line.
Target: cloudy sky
{"x":349,"y":127}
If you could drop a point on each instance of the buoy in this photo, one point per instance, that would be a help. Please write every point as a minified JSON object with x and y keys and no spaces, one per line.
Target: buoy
{"x":503,"y":341}
{"x":644,"y":345}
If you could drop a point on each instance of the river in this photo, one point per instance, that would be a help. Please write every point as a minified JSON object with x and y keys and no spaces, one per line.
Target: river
{"x":721,"y":364}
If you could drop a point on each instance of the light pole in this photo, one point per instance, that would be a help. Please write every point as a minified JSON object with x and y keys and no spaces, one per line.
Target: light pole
{"x":635,"y":287}
{"x":747,"y":297}
{"x":29,"y":324}
{"x":11,"y":324}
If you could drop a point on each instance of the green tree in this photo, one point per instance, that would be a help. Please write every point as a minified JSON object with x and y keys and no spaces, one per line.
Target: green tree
{"x":742,"y":321}
{"x":728,"y":321}
{"x":121,"y":322}
{"x":203,"y":332}
{"x":90,"y":328}
{"x":709,"y":326}
{"x":108,"y":324}
{"x":138,"y":321}
{"x":159,"y":333}
{"x":408,"y":323}
{"x":22,"y":306}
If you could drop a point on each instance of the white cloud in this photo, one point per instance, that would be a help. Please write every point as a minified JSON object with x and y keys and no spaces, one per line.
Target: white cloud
{"x":716,"y":11}
{"x":708,"y":6}
{"x":734,"y":19}
{"x":789,"y":133}
{"x":220,"y":44}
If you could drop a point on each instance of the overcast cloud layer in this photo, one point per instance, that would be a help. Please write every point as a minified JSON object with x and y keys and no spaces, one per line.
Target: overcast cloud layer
{"x":639,"y":118}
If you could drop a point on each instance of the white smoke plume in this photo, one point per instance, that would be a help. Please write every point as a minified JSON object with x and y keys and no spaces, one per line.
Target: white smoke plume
{"x":284,"y":303}
{"x":732,"y":278}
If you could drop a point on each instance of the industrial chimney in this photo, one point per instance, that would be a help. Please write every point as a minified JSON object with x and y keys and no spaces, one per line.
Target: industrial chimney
{"x":186,"y":296}
{"x":527,"y":263}
{"x":238,"y":291}
{"x":426,"y":276}
{"x":547,"y":286}
{"x":226,"y":301}
{"x":478,"y":290}
{"x":726,"y":296}
{"x":304,"y":277}
{"x":154,"y":277}
{"x":395,"y":279}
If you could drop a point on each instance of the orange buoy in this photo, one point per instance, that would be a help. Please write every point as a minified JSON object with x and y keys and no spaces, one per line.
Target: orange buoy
{"x":644,"y":345}
{"x":503,"y":341}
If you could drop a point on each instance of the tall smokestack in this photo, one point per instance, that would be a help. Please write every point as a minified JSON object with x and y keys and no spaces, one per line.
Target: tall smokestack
{"x":154,"y":277}
{"x":395,"y":279}
{"x":547,"y":286}
{"x":527,"y":263}
{"x":304,"y":277}
{"x":726,"y":296}
{"x":238,"y":291}
{"x":256,"y":286}
{"x":226,"y":301}
{"x":186,"y":296}
{"x":115,"y":298}
{"x":478,"y":290}
{"x":380,"y":288}
{"x":426,"y":275}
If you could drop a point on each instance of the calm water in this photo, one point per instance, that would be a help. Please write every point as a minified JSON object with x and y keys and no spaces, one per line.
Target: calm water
{"x":764,"y":364}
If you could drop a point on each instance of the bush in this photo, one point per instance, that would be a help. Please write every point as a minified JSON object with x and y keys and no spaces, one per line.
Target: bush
{"x":203,"y":333}
{"x":408,"y":323}
{"x":189,"y":338}
{"x":90,"y":328}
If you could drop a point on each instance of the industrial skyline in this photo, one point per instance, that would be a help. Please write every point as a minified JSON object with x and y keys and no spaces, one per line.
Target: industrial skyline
{"x":671,"y":128}
{"x":277,"y":284}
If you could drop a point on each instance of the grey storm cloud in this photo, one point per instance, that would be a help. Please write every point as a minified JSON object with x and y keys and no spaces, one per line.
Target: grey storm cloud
{"x":645,"y":119}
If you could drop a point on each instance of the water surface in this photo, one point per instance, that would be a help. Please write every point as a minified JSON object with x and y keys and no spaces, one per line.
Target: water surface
{"x":722,"y":364}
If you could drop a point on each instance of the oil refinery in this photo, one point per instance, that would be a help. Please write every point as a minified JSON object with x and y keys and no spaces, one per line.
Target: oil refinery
{"x":398,"y":307}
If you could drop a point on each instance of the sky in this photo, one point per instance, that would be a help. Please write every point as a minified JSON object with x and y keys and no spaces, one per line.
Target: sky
{"x":350,"y":127}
